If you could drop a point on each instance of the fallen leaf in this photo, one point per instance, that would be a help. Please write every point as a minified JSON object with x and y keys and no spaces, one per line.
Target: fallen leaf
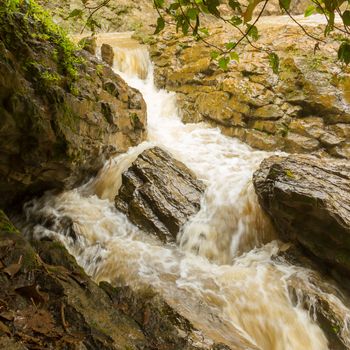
{"x":13,"y":269}
{"x":33,"y":292}
{"x":7,"y":315}
{"x":4,"y":328}
{"x":41,"y":322}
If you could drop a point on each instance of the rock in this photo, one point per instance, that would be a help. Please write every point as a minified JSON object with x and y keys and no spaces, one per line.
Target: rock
{"x":260,"y":140}
{"x":330,"y":139}
{"x":268,"y":112}
{"x":295,"y":143}
{"x":89,"y":44}
{"x":310,"y":127}
{"x":107,"y":54}
{"x":159,"y":194}
{"x":60,"y":120}
{"x":47,"y":300}
{"x":313,"y":294}
{"x":309,"y":202}
{"x":341,"y":151}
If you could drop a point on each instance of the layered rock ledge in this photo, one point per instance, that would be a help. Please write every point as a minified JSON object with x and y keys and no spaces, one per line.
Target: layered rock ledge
{"x":309,"y":201}
{"x":303,"y":109}
{"x":159,"y":194}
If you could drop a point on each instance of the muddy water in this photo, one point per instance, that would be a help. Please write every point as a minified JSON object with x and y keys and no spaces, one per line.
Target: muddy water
{"x":220,"y":274}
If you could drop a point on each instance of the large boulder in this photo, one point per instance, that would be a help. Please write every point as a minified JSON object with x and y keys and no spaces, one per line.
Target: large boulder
{"x":309,"y":201}
{"x":62,"y":111}
{"x":159,"y":194}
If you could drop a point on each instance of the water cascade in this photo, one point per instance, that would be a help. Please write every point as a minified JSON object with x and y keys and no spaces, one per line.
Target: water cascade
{"x":221,"y":273}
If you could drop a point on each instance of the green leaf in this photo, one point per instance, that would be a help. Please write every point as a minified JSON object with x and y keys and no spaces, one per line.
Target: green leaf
{"x":234,"y":56}
{"x":192,"y":13}
{"x":252,"y":31}
{"x":344,"y":52}
{"x":184,"y":27}
{"x":75,"y":13}
{"x":274,"y":62}
{"x":204,"y":31}
{"x":174,"y":6}
{"x":214,"y":55}
{"x":346,"y":18}
{"x":223,"y":63}
{"x":160,"y":25}
{"x":158,"y":3}
{"x":285,"y":4}
{"x":309,"y":11}
{"x":236,"y":21}
{"x":230,"y":45}
{"x":212,"y":6}
{"x":235,"y":5}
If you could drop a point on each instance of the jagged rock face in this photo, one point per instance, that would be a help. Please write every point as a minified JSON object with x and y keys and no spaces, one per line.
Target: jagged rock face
{"x":308,"y":200}
{"x":159,"y":194}
{"x":48,"y":302}
{"x":304,"y":109}
{"x":62,"y":114}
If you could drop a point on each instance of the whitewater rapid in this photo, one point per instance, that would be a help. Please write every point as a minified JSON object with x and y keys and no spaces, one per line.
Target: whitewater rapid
{"x":221,"y":273}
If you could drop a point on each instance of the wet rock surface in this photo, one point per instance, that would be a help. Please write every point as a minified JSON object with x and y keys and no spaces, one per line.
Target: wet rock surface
{"x":308,"y":200}
{"x":159,"y":194}
{"x":303,"y":109}
{"x":63,"y":112}
{"x":329,"y":313}
{"x":48,"y":302}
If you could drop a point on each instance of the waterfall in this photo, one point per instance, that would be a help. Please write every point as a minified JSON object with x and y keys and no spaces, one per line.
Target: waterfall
{"x":220,"y":274}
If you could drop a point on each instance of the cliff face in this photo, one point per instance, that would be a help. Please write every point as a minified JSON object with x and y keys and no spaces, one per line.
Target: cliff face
{"x":62,"y":112}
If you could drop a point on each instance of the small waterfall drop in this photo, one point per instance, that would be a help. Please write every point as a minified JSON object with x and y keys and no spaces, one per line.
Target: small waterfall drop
{"x":221,"y":274}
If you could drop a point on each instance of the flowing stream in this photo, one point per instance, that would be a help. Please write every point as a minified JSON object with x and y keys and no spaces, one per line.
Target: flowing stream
{"x":221,"y":273}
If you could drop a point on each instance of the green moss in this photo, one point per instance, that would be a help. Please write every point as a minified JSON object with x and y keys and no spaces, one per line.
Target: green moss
{"x":38,"y":24}
{"x":335,"y":329}
{"x":50,"y":77}
{"x":289,"y":173}
{"x":99,"y":69}
{"x":68,"y":119}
